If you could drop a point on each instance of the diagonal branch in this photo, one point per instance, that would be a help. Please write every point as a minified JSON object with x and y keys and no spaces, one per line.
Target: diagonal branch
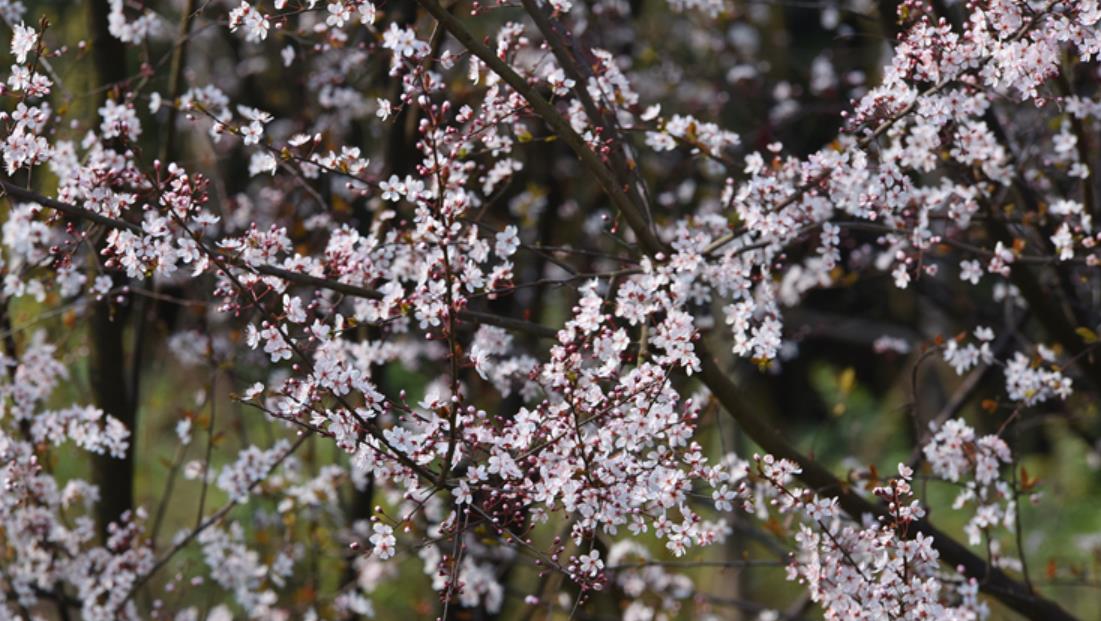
{"x":550,"y":115}
{"x":993,"y":580}
{"x":606,"y":122}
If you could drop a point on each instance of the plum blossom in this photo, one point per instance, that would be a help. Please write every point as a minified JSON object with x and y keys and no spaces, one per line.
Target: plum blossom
{"x":23,"y":41}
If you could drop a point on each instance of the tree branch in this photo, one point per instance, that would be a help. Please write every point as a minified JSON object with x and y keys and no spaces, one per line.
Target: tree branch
{"x":554,"y":119}
{"x":994,"y":581}
{"x":80,"y":213}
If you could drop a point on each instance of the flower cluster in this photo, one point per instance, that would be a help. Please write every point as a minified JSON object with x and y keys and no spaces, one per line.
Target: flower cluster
{"x":482,"y":273}
{"x":871,"y":569}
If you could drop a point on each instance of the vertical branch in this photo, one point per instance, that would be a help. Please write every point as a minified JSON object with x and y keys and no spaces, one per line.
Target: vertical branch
{"x":175,"y":80}
{"x":146,"y":308}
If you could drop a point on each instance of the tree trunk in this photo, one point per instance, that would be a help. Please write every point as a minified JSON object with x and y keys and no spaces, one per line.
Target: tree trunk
{"x":107,"y":363}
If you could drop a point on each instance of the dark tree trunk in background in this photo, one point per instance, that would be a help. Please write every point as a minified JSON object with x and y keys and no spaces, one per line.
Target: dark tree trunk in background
{"x":107,"y":364}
